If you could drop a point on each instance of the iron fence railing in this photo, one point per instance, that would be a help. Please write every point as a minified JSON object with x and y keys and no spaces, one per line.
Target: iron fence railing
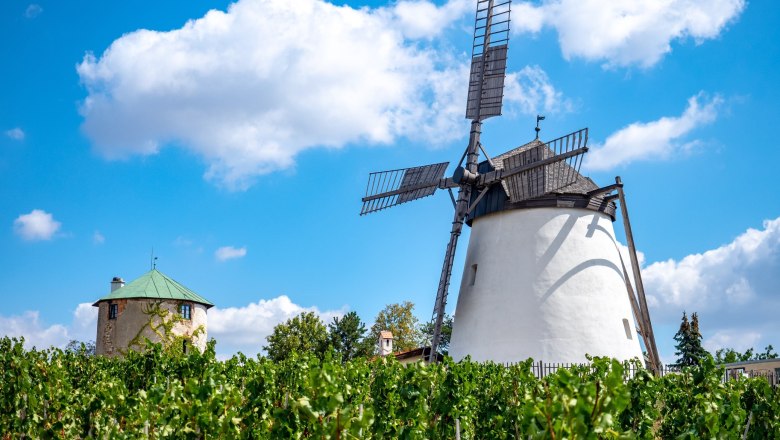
{"x":541,"y":369}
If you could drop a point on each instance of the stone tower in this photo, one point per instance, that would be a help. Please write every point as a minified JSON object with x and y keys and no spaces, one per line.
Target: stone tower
{"x":154,"y":307}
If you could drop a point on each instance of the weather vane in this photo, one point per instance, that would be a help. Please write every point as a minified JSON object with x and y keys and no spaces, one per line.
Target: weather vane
{"x":538,"y":118}
{"x":153,"y":260}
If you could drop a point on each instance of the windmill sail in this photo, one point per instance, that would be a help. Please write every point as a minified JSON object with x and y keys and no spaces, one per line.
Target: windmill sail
{"x":393,"y":187}
{"x":488,"y":59}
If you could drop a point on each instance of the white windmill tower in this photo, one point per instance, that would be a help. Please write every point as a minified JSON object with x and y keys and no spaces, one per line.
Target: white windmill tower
{"x":543,"y":276}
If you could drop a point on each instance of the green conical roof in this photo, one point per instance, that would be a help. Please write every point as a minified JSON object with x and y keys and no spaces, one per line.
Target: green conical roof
{"x":155,"y":285}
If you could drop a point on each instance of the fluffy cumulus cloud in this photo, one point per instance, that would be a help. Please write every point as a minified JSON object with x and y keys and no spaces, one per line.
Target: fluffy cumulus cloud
{"x":37,"y":225}
{"x":659,"y":139}
{"x":734,"y":288}
{"x":38,"y":334}
{"x":423,"y":19}
{"x":250,"y":88}
{"x":245,"y":328}
{"x":626,"y":32}
{"x":229,"y":253}
{"x":530,"y":91}
{"x":15,"y":133}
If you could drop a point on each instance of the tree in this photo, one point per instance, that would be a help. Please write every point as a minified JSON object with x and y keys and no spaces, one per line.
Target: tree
{"x":348,"y":338}
{"x":769,"y":353}
{"x":444,"y":337}
{"x":303,"y":333}
{"x":400,"y":320}
{"x":688,"y":339}
{"x":79,"y":347}
{"x":729,"y":355}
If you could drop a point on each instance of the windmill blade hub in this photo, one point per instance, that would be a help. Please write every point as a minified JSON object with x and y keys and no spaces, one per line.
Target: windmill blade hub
{"x":462,"y":176}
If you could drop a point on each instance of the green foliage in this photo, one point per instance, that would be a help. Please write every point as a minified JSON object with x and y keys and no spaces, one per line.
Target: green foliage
{"x":347,"y":336}
{"x":161,"y":394}
{"x":689,"y":348}
{"x":84,"y":348}
{"x":304,"y":333}
{"x":160,"y":323}
{"x":446,"y":333}
{"x":729,"y":355}
{"x":400,"y":320}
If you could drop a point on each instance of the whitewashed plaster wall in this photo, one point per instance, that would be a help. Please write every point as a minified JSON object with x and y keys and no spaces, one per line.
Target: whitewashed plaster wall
{"x":549,"y":285}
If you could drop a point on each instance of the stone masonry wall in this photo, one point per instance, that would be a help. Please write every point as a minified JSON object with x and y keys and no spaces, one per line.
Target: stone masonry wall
{"x":132,"y":323}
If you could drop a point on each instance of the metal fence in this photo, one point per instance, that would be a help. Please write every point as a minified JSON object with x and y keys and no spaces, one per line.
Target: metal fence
{"x":541,"y":369}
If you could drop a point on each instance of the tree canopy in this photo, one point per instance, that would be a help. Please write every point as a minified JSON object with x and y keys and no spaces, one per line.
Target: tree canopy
{"x":729,"y":355}
{"x":446,"y":333}
{"x":303,"y":333}
{"x":688,"y":337}
{"x":347,"y":336}
{"x":400,"y":320}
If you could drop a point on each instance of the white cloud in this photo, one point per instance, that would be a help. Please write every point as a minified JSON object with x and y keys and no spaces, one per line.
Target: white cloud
{"x":33,"y":10}
{"x":423,"y":19}
{"x":16,"y":134}
{"x":654,"y":140}
{"x":626,"y":32}
{"x":734,"y":288}
{"x":531,"y":92}
{"x":84,"y":324}
{"x":248,"y":92}
{"x":738,"y":339}
{"x":245,"y":328}
{"x":98,"y":238}
{"x":229,"y":252}
{"x":37,"y":334}
{"x":37,"y":225}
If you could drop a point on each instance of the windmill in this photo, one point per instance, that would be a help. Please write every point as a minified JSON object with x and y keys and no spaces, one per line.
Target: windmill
{"x":541,"y":233}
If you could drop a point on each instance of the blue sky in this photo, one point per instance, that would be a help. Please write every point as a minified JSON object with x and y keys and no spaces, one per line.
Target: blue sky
{"x":252,"y":129}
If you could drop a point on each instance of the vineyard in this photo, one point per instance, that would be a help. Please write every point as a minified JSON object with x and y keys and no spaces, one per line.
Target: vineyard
{"x":59,"y":394}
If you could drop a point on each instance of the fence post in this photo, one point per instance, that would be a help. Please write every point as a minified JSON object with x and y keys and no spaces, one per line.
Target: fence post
{"x":457,"y":429}
{"x":360,"y":415}
{"x":750,"y":419}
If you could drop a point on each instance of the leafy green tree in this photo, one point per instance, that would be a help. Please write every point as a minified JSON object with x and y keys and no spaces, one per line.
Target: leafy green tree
{"x":446,"y":333}
{"x":688,"y":337}
{"x":769,"y":353}
{"x":79,"y":347}
{"x":400,"y":320}
{"x":304,"y":333}
{"x":348,"y":338}
{"x":729,"y":355}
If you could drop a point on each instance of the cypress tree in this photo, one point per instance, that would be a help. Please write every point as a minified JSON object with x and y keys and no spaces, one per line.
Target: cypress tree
{"x":688,"y":337}
{"x":698,"y":353}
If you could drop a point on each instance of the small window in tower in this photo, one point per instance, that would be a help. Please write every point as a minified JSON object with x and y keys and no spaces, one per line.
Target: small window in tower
{"x":473,"y":274}
{"x":628,"y":328}
{"x":387,"y":342}
{"x":186,"y":311}
{"x":113,"y":310}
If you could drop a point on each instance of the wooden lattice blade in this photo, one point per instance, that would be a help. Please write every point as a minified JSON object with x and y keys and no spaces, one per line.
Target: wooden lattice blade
{"x":393,"y":187}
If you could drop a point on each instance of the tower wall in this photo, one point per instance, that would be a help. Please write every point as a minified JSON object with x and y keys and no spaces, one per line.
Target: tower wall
{"x":114,"y":336}
{"x":548,"y":284}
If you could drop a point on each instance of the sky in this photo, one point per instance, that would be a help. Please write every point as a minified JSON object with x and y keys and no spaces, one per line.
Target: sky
{"x":234,"y":140}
